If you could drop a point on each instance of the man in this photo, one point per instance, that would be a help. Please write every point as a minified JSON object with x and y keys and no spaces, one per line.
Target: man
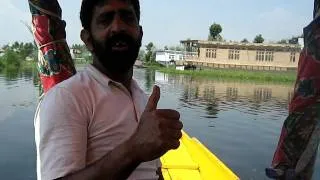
{"x":99,"y":124}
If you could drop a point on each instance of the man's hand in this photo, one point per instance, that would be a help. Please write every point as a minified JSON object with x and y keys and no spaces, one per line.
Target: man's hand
{"x":159,"y":130}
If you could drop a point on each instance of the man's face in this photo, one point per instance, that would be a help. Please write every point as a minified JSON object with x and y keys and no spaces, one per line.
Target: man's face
{"x":116,"y":35}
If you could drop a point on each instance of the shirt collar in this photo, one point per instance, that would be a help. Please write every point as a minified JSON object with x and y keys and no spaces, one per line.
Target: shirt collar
{"x":98,"y":76}
{"x":106,"y":81}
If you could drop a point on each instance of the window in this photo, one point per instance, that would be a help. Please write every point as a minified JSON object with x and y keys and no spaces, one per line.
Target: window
{"x":260,"y":56}
{"x":292,"y":57}
{"x":234,"y":54}
{"x":264,"y":56}
{"x":171,"y":57}
{"x":211,"y":53}
{"x":269,"y":56}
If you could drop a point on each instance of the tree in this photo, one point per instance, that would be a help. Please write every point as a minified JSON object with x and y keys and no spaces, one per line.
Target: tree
{"x":141,"y":55}
{"x":166,"y":48}
{"x":15,"y":45}
{"x":245,"y":40}
{"x":10,"y":59}
{"x":179,"y":48}
{"x":150,"y":55}
{"x":214,"y":32}
{"x":26,"y":50}
{"x":258,"y":39}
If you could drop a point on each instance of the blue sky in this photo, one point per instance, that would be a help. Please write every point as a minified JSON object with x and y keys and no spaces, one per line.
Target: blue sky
{"x":166,"y":22}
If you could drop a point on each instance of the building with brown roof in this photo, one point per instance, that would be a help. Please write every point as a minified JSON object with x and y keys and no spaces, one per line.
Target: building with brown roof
{"x":250,"y":56}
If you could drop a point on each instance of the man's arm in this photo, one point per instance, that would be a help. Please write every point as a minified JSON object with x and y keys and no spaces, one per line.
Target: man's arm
{"x":158,"y":132}
{"x":61,"y":138}
{"x":117,"y":164}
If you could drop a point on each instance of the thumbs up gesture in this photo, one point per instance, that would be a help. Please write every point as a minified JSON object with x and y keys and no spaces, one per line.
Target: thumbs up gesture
{"x":159,"y":130}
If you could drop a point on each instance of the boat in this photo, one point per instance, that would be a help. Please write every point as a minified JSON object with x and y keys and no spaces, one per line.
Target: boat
{"x":193,"y":161}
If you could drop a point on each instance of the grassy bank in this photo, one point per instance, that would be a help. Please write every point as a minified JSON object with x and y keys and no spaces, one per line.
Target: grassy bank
{"x":265,"y":76}
{"x":153,"y":65}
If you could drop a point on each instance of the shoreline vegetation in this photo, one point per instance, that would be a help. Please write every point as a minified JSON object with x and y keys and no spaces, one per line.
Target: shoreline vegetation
{"x":221,"y":74}
{"x":19,"y":56}
{"x":230,"y":74}
{"x":288,"y":77}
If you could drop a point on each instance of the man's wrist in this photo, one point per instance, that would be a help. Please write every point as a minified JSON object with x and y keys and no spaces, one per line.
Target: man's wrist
{"x":132,"y":150}
{"x":122,"y":156}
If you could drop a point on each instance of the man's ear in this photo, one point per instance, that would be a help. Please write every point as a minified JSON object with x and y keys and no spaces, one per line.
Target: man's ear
{"x":87,"y":39}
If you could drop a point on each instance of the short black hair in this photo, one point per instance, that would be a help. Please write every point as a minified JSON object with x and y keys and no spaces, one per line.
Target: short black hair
{"x":87,"y":7}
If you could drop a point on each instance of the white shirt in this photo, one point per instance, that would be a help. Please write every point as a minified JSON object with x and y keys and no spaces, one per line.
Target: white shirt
{"x":82,"y":119}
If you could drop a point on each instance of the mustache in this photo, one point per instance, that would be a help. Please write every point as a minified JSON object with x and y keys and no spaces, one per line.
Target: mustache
{"x":120,"y":37}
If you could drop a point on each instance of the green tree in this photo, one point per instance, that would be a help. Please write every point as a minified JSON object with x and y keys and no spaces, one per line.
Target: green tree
{"x":179,"y":48}
{"x":176,"y":48}
{"x":166,"y":48}
{"x":245,"y":40}
{"x":27,"y":50}
{"x":22,"y":50}
{"x":150,"y":55}
{"x":258,"y":39}
{"x":10,"y":59}
{"x":141,"y":55}
{"x":15,"y":45}
{"x":214,"y":32}
{"x":1,"y":64}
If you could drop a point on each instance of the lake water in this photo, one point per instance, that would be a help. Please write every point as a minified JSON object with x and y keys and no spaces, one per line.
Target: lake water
{"x":239,"y":121}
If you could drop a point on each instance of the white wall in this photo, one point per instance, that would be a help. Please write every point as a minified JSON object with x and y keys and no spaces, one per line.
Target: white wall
{"x":161,"y":57}
{"x":301,"y":42}
{"x":167,"y":56}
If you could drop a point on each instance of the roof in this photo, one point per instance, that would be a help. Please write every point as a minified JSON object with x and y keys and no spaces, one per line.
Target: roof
{"x":174,"y":52}
{"x":170,"y":51}
{"x":244,"y":45}
{"x":189,"y":41}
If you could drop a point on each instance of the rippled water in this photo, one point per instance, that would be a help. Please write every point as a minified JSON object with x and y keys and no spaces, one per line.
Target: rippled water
{"x":239,"y":121}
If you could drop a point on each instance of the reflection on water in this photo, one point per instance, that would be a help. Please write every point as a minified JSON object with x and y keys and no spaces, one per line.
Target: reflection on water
{"x":11,"y":76}
{"x":217,"y":95}
{"x":239,"y":121}
{"x":149,"y":79}
{"x":18,"y":88}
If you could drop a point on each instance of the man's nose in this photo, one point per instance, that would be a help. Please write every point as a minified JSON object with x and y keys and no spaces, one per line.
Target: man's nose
{"x":118,"y":25}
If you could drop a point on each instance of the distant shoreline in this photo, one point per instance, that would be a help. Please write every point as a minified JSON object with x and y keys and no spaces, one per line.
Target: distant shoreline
{"x":230,"y":74}
{"x":235,"y":74}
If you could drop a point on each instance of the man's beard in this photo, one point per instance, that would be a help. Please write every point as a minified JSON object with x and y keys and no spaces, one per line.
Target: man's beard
{"x":117,"y":62}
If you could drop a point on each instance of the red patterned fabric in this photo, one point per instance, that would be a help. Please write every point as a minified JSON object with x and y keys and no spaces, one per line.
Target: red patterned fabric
{"x":297,"y":149}
{"x":54,"y":61}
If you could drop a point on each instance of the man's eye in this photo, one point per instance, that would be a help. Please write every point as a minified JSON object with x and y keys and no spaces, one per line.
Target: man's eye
{"x":129,"y":17}
{"x":105,"y":21}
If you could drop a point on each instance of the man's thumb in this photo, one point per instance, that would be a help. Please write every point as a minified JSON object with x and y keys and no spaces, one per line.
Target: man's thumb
{"x":153,"y":99}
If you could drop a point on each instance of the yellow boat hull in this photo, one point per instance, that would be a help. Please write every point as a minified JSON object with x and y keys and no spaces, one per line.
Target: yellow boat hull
{"x":193,"y":161}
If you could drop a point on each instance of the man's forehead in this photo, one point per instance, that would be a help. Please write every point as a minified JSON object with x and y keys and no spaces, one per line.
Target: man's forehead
{"x":112,"y":5}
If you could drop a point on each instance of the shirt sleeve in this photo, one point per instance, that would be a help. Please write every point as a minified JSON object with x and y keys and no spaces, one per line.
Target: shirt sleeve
{"x":60,"y":134}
